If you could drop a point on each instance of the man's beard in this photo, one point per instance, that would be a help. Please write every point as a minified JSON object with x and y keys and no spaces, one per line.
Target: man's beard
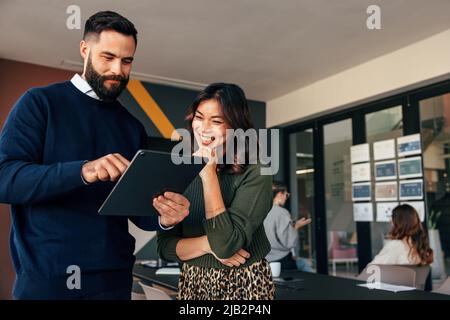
{"x":96,"y":81}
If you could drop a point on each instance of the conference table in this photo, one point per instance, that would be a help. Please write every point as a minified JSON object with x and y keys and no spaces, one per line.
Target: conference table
{"x":298,"y":285}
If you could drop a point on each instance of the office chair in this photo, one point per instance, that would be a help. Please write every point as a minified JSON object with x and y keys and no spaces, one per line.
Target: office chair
{"x":392,"y":274}
{"x":421,"y":275}
{"x":137,"y":293}
{"x":138,"y":296}
{"x":338,"y":252}
{"x":444,"y":288}
{"x":152,"y":293}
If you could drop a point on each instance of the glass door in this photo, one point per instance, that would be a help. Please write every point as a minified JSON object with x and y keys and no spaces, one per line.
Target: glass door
{"x":302,"y":194}
{"x":435,"y":132}
{"x":341,"y":229}
{"x":382,"y":125}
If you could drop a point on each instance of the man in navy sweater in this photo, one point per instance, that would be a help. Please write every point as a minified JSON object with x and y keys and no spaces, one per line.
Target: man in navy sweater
{"x":61,"y":149}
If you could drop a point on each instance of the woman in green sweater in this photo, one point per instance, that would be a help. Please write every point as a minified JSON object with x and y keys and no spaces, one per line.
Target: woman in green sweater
{"x":222,"y":243}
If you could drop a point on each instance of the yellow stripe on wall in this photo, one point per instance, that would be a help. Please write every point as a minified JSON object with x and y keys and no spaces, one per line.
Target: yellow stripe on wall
{"x":151,"y":108}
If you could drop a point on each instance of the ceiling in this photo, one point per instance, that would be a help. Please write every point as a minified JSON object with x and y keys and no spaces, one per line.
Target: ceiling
{"x":268,"y":47}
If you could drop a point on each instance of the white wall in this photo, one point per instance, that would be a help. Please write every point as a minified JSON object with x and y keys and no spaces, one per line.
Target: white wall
{"x":413,"y":66}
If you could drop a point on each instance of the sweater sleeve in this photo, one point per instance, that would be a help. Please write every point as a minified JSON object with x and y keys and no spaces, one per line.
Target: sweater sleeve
{"x":286,"y":234}
{"x":147,"y":223}
{"x":24,"y":178}
{"x":233,"y":229}
{"x":167,"y":243}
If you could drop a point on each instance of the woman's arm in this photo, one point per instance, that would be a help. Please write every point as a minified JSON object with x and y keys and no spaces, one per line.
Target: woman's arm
{"x":230,"y":229}
{"x":172,"y":247}
{"x":167,"y":242}
{"x":286,"y":233}
{"x":191,"y":248}
{"x":211,"y":192}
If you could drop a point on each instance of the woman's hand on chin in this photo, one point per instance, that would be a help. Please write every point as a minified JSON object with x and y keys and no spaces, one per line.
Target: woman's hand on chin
{"x":211,"y":167}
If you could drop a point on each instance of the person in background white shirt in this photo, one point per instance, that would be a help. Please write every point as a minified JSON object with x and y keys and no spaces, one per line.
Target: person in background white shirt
{"x":408,"y":242}
{"x":282,"y":232}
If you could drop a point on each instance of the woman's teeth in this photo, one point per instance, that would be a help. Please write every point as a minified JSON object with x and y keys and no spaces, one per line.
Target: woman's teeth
{"x":207,"y":139}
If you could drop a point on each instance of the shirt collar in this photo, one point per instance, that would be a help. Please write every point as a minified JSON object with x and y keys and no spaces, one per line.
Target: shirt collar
{"x":83,"y":86}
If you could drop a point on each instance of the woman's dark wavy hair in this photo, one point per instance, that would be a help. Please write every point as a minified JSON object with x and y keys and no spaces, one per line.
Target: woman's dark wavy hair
{"x":236,"y":115}
{"x":406,"y":224}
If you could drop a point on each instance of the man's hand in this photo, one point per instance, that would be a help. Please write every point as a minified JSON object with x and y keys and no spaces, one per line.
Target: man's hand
{"x":172,"y":207}
{"x":107,"y":168}
{"x":236,"y":260}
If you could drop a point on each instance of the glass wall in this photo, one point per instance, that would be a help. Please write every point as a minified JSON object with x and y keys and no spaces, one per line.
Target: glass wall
{"x":435,"y":132}
{"x":326,"y":196}
{"x":341,"y":229}
{"x":382,"y":125}
{"x":302,"y":193}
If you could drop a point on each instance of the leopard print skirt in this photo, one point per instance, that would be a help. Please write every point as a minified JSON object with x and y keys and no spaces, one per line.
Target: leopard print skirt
{"x":253,"y":282}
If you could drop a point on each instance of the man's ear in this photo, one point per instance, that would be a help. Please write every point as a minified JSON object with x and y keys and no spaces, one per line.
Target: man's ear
{"x":84,"y":49}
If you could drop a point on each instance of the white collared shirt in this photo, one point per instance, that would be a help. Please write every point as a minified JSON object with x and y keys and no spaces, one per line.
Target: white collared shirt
{"x":84,"y":87}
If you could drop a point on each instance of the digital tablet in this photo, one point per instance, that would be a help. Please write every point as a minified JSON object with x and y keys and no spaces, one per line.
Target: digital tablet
{"x":149,"y":174}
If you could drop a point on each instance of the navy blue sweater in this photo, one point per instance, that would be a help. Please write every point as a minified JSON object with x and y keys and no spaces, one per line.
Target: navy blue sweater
{"x":48,"y":135}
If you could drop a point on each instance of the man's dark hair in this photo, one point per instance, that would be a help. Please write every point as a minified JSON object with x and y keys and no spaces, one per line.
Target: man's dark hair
{"x":278,"y":186}
{"x":109,"y":20}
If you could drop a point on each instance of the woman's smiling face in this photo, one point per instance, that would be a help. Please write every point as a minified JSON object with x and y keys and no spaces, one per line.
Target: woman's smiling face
{"x":209,"y":124}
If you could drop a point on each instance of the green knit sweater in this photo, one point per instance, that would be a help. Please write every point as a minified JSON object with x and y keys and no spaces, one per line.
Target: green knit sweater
{"x":247,"y":197}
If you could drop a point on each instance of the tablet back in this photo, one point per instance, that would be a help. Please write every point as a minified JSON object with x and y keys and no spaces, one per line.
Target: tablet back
{"x":150,"y":174}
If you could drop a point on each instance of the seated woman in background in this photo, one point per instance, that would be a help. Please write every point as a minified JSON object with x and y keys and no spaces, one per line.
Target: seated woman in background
{"x":408,"y":242}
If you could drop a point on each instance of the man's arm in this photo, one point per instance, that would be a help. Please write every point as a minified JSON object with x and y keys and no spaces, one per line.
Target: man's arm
{"x":23,"y":176}
{"x":148,"y":223}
